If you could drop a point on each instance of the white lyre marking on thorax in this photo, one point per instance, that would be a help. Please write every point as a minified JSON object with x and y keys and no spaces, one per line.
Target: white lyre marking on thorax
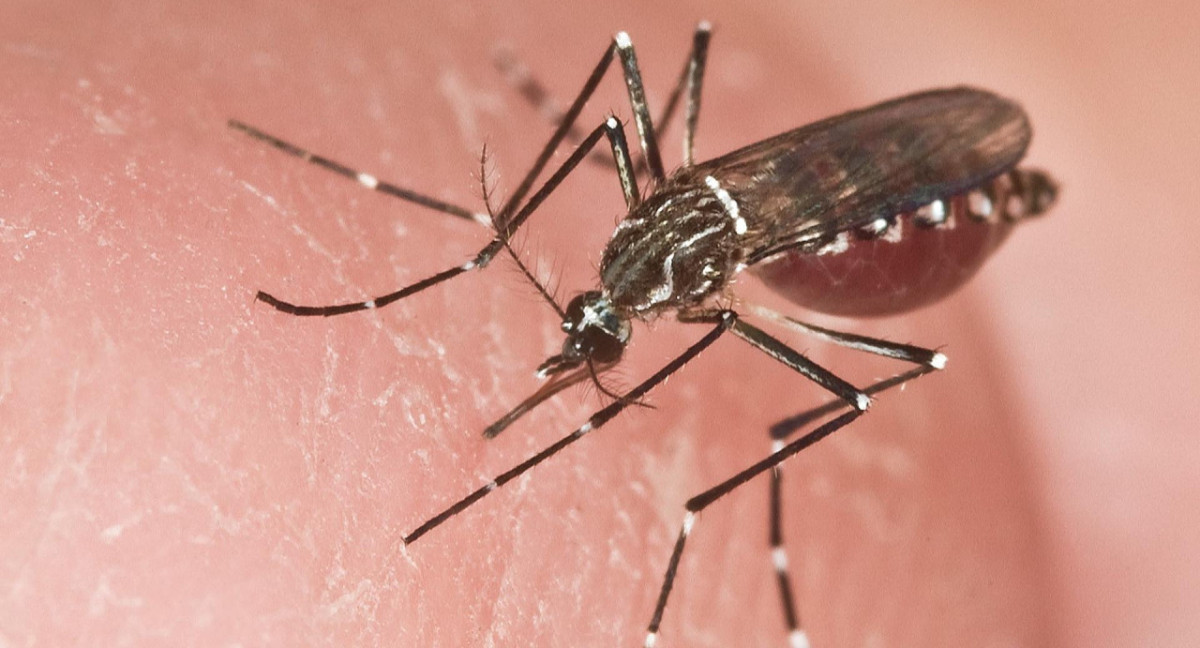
{"x":730,"y":205}
{"x":666,"y":289}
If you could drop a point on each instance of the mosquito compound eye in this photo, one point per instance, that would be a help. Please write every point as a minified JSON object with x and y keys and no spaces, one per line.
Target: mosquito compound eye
{"x":602,"y":346}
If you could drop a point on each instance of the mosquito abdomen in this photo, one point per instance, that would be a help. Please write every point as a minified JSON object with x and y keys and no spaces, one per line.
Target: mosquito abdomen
{"x":908,"y":260}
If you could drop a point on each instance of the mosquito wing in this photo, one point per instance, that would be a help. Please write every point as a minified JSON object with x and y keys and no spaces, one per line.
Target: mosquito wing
{"x":799,"y":188}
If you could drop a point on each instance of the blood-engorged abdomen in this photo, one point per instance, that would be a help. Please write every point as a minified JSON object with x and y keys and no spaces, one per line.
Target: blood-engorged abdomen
{"x":912,"y":259}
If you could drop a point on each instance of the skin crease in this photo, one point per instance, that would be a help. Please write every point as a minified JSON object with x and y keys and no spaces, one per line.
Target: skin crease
{"x":183,"y":466}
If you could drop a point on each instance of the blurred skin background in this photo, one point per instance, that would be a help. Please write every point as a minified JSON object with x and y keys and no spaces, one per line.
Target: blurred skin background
{"x":180,"y":465}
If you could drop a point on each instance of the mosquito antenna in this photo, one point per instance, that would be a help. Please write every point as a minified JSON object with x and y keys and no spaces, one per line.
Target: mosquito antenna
{"x":502,"y":232}
{"x":560,"y":382}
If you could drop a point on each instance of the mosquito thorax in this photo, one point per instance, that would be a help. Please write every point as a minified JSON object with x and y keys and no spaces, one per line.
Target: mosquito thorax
{"x":676,"y":249}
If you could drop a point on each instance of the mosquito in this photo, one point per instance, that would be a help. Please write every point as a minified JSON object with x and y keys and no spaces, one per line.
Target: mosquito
{"x":930,"y":179}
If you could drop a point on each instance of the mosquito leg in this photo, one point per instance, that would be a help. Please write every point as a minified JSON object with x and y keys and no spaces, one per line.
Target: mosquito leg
{"x":927,"y":361}
{"x":771,"y":346}
{"x":809,"y":369}
{"x":789,"y":425}
{"x":722,"y":321}
{"x":694,"y":73}
{"x":848,"y":395}
{"x":698,"y":503}
{"x":560,"y":133}
{"x":365,"y":179}
{"x":519,"y":76}
{"x":637,"y":100}
{"x":616,"y":136}
{"x":506,"y":222}
{"x":905,"y":352}
{"x":505,"y":230}
{"x":779,"y":558}
{"x":377,"y":302}
{"x":625,"y":171}
{"x":781,"y":451}
{"x":372,"y":182}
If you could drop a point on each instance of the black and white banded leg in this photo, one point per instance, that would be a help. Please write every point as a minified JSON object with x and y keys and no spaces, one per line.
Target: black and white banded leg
{"x":519,"y":76}
{"x":927,"y":361}
{"x":848,"y":397}
{"x":361,"y":177}
{"x":505,"y":228}
{"x":796,"y":636}
{"x":722,"y":322}
{"x":693,"y":77}
{"x":627,"y":174}
{"x":509,"y":219}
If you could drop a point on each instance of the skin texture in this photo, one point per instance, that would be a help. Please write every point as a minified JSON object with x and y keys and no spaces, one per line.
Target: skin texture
{"x":183,"y":466}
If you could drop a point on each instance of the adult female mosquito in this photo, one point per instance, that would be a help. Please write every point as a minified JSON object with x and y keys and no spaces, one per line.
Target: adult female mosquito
{"x":933,"y":171}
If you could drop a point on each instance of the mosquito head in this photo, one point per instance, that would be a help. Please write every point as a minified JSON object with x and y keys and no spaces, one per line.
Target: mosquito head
{"x":595,"y":331}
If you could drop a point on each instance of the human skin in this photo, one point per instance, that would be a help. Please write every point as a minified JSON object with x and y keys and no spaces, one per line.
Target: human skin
{"x":181,"y":465}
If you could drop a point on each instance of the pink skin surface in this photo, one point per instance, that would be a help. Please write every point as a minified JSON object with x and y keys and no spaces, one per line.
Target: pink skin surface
{"x":180,"y":465}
